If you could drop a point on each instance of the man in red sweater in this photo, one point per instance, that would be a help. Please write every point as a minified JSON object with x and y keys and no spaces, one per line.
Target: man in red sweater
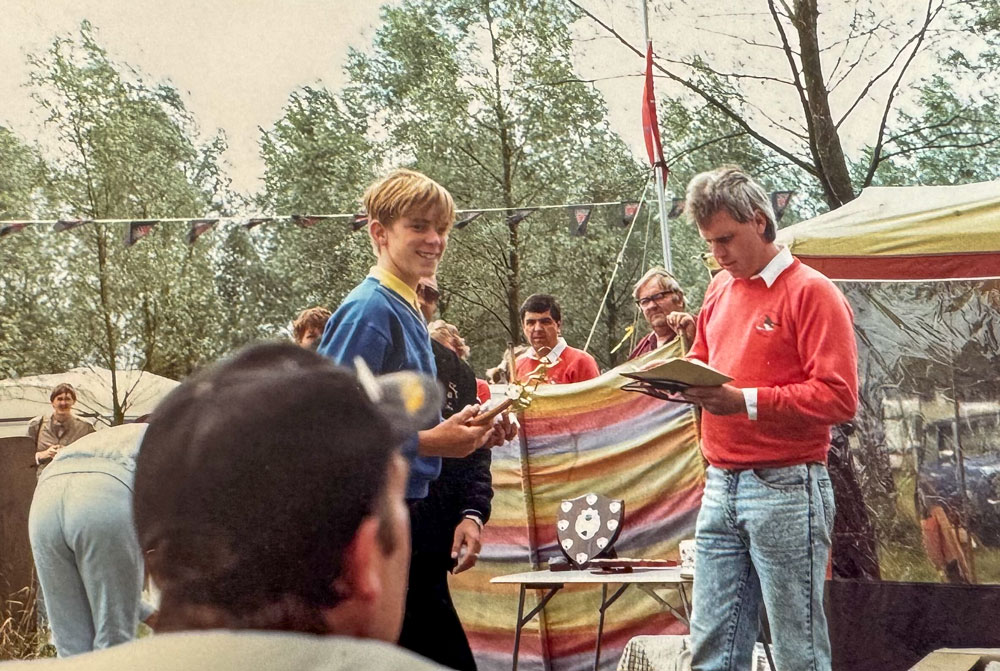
{"x":541,"y":321}
{"x":784,"y":333}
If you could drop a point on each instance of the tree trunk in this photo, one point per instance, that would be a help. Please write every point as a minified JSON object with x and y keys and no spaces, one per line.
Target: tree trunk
{"x":832,"y":164}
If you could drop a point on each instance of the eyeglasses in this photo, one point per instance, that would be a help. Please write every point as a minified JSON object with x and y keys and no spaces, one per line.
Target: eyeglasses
{"x":648,"y":300}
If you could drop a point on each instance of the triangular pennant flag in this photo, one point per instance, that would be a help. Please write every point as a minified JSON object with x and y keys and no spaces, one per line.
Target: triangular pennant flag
{"x":779,"y":201}
{"x":359,"y":221}
{"x":468,"y":218}
{"x":12,"y":227}
{"x":676,"y":208}
{"x":199,"y":226}
{"x":630,"y":210}
{"x":650,"y":127}
{"x":256,"y":221}
{"x":304,"y":221}
{"x":137,"y":230}
{"x":520,"y":215}
{"x":579,"y":215}
{"x":67,"y":224}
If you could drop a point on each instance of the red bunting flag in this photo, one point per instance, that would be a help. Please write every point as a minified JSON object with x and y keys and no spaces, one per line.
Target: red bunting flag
{"x":12,"y":227}
{"x":199,"y":226}
{"x":650,"y":127}
{"x":137,"y":230}
{"x":676,"y":208}
{"x":630,"y":210}
{"x":468,"y":218}
{"x":67,"y":224}
{"x":359,"y":221}
{"x":256,"y":221}
{"x":779,"y":201}
{"x":519,"y":215}
{"x":304,"y":221}
{"x":579,"y":215}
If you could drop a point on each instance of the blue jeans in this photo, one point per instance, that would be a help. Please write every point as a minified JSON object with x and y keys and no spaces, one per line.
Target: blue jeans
{"x":88,"y":560}
{"x":762,"y":534}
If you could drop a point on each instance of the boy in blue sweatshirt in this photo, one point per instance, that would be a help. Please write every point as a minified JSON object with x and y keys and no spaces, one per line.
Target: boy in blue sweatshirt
{"x":410,"y":217}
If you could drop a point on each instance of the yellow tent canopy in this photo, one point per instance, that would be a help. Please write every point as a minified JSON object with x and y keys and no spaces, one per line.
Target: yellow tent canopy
{"x":905,"y":233}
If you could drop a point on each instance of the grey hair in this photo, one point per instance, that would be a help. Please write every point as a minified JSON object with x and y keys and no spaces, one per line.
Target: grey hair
{"x":666,"y":281}
{"x":729,"y":188}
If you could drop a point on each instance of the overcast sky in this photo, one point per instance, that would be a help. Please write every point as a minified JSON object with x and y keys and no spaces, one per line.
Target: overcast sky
{"x":236,"y":61}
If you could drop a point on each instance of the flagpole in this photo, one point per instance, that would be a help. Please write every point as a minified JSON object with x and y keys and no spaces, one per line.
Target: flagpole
{"x":659,"y":168}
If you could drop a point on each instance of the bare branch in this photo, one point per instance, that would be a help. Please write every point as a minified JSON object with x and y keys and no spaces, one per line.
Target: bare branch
{"x":950,"y":145}
{"x":707,"y":96}
{"x":881,"y":74}
{"x":702,"y":145}
{"x":877,"y":151}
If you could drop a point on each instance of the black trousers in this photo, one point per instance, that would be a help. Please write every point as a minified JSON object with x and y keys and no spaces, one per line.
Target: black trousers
{"x":430,"y":624}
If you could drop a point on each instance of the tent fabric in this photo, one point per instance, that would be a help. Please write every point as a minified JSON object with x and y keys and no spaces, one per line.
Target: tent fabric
{"x":26,"y":397}
{"x":905,"y":233}
{"x":581,"y":438}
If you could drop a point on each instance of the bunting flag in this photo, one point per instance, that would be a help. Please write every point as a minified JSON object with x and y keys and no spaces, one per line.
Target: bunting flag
{"x":304,"y":221}
{"x":67,"y":224}
{"x":468,"y":218}
{"x":650,"y":127}
{"x":779,"y":201}
{"x":676,"y":208}
{"x":359,"y":221}
{"x":12,"y":227}
{"x":137,"y":230}
{"x":630,"y":210}
{"x":256,"y":221}
{"x":579,"y":215}
{"x":519,"y":215}
{"x":199,"y":226}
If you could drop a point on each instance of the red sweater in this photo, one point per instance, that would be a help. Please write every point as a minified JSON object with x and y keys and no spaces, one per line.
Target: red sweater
{"x":794,"y":342}
{"x":573,"y":365}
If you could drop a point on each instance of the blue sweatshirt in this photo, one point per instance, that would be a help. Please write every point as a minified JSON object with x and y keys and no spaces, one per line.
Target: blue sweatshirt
{"x":380,"y":325}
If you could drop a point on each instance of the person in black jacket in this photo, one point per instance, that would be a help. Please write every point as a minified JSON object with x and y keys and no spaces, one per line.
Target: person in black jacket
{"x":446,"y":525}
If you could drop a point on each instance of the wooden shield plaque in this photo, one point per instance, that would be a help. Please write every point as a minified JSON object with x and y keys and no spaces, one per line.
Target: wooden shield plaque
{"x":588,"y":526}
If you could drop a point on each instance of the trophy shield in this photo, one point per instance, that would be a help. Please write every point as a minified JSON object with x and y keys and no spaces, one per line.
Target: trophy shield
{"x":588,"y":526}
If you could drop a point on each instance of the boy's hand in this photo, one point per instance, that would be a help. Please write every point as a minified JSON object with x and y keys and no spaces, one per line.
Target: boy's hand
{"x":454,"y":437}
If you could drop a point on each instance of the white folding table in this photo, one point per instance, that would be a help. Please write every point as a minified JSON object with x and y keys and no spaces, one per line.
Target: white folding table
{"x":647,"y":579}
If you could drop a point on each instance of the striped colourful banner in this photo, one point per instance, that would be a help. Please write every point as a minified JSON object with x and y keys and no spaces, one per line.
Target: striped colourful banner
{"x":575,"y":439}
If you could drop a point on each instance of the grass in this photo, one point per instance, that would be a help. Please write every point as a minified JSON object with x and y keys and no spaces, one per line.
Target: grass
{"x":20,"y":637}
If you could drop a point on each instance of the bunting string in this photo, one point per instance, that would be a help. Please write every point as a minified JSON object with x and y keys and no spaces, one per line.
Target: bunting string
{"x":579,"y":218}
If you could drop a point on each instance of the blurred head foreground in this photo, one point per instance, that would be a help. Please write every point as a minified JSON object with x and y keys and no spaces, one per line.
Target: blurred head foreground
{"x":269,"y":495}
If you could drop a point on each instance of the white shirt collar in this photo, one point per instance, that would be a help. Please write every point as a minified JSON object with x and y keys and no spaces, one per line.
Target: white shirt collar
{"x":553,"y":354}
{"x":779,"y":264}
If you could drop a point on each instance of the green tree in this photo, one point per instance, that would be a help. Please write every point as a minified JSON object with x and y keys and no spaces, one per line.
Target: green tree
{"x":318,"y":160}
{"x":482,"y":96}
{"x":127,"y":150}
{"x":799,"y":81}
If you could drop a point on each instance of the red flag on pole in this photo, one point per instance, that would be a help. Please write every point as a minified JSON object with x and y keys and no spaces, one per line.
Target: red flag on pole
{"x":650,"y":127}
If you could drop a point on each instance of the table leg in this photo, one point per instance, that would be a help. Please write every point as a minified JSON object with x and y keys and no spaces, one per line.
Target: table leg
{"x":605,"y":604}
{"x":520,"y":623}
{"x":523,"y":619}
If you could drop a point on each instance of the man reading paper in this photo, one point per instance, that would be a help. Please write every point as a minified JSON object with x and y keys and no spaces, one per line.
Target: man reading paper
{"x":784,"y":333}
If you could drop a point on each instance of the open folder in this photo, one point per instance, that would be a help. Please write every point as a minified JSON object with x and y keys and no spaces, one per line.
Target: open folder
{"x":674,"y":375}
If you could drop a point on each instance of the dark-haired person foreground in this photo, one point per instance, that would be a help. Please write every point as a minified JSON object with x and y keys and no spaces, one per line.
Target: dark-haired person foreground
{"x":268,"y":555}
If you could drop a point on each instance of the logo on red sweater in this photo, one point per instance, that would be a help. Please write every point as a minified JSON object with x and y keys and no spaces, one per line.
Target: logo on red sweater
{"x":766,"y":325}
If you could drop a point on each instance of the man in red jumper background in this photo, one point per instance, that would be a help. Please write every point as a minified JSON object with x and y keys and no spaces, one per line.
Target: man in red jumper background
{"x":784,"y":333}
{"x":541,"y":321}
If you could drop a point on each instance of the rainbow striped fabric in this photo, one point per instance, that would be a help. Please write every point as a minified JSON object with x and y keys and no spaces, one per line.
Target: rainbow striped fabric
{"x":580,"y":438}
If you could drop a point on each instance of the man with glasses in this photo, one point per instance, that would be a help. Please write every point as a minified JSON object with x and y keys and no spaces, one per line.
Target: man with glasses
{"x":662,"y":303}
